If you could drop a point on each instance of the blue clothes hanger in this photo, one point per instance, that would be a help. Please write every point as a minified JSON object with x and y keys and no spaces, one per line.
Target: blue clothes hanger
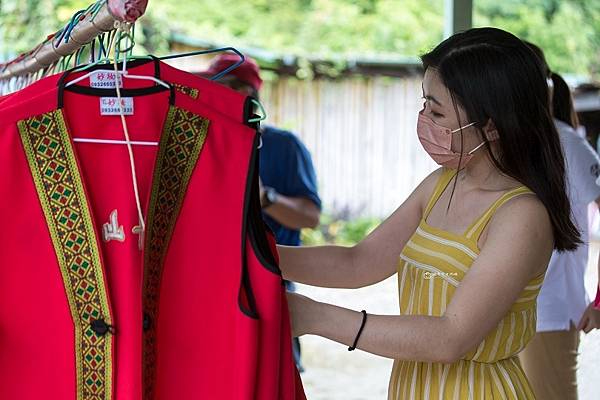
{"x":211,"y":51}
{"x":219,"y":75}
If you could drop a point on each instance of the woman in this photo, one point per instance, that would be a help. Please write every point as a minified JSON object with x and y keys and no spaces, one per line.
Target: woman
{"x":563,"y":309}
{"x":470,"y":244}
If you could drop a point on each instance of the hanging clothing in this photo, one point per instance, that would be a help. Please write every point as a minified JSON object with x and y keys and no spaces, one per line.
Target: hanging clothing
{"x":50,"y":83}
{"x":4,"y":97}
{"x":190,"y":315}
{"x":278,"y":377}
{"x":226,"y":102}
{"x":432,"y":265}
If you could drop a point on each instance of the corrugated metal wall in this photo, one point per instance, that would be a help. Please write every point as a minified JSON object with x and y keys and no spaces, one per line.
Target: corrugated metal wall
{"x":361,"y":132}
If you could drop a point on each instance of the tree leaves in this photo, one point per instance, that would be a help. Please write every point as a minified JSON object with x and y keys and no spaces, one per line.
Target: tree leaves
{"x":568,"y":30}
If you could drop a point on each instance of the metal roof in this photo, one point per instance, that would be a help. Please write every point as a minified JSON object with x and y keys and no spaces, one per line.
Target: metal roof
{"x":287,"y":64}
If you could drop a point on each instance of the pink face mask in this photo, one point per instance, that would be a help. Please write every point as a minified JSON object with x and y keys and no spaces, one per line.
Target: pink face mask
{"x":437,"y":142}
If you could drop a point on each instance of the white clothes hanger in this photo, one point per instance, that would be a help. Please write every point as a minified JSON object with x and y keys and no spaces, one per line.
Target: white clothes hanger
{"x":109,"y":141}
{"x":125,"y":74}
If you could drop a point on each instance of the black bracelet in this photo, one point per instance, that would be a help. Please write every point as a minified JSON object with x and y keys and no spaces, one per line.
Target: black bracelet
{"x":362,"y":326}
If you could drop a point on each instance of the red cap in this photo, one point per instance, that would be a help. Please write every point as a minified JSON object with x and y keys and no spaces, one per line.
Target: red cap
{"x":248,"y":72}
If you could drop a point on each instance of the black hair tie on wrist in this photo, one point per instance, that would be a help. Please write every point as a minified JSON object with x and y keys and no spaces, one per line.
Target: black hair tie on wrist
{"x":362,"y":326}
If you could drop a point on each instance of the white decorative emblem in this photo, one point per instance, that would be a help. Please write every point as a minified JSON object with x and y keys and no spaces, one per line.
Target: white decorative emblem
{"x":112,"y":230}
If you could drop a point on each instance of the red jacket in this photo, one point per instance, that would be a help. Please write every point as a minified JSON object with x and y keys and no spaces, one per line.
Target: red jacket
{"x":200,"y":312}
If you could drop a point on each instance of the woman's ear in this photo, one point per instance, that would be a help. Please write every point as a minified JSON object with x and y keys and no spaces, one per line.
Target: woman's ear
{"x":490,"y":131}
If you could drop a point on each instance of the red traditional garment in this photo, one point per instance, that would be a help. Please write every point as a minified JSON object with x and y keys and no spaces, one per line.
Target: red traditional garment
{"x":142,"y":67}
{"x":11,"y":99}
{"x":76,"y":329}
{"x":277,"y":377}
{"x":227,"y":102}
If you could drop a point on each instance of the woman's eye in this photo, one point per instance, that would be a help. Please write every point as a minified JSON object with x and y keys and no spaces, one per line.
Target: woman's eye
{"x":435,"y":114}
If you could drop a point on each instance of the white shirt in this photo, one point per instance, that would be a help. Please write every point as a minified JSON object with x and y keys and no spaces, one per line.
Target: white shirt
{"x":563,"y":298}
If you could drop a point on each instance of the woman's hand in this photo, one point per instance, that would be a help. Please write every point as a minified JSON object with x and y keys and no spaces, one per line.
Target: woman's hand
{"x":302,"y":313}
{"x":590,"y":319}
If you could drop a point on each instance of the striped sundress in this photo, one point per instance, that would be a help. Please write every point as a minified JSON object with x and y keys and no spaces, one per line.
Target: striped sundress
{"x":432,"y":265}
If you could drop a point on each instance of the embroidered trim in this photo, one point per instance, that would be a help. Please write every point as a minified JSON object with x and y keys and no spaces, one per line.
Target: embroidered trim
{"x":60,"y":190}
{"x":192,"y":92}
{"x":183,"y":139}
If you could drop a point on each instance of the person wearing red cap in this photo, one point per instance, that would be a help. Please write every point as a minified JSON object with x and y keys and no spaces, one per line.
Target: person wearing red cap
{"x":244,"y":78}
{"x":289,"y":195}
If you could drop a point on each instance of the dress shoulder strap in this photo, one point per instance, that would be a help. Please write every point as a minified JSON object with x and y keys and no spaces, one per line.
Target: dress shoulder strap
{"x":477,"y":228}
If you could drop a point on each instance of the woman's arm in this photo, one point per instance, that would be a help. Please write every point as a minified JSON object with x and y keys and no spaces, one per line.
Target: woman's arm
{"x":591,"y":316}
{"x":590,"y":319}
{"x":372,"y":260}
{"x":597,"y":299}
{"x":518,"y":247}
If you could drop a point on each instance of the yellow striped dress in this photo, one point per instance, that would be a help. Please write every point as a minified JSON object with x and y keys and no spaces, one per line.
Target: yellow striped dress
{"x":432,"y":265}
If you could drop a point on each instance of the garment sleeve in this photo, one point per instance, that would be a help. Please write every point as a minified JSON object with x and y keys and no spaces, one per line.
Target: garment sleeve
{"x":583,"y":170}
{"x":302,"y":179}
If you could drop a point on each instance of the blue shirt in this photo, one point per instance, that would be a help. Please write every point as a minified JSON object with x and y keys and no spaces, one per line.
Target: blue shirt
{"x":286,"y":166}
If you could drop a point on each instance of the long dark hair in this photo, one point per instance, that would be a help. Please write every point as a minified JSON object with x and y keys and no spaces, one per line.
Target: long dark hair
{"x":562,"y":101}
{"x":494,"y":76}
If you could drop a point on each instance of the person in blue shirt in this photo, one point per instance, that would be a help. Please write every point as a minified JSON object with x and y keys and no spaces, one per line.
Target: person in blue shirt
{"x":289,"y":191}
{"x":288,"y":183}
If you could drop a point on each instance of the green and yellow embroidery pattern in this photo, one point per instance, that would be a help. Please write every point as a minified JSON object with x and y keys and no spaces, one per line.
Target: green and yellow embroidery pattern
{"x":60,"y":190}
{"x":192,"y":92}
{"x":182,"y":141}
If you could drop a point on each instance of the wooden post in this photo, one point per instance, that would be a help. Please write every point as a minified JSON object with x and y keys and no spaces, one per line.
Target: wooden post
{"x":458,"y":16}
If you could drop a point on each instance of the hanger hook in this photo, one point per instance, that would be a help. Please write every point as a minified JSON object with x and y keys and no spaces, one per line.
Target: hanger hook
{"x":231,"y":67}
{"x":262,"y":111}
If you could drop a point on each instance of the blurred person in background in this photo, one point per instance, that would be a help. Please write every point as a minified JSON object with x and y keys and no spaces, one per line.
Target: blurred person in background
{"x":563,"y":306}
{"x":288,"y":183}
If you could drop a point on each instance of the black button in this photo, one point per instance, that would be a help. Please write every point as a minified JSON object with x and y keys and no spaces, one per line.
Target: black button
{"x":147,"y":322}
{"x":100,"y":327}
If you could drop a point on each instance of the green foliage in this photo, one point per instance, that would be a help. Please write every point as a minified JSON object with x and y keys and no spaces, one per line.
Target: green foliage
{"x":312,"y":27}
{"x":568,"y":30}
{"x":24,"y":24}
{"x":338,"y":230}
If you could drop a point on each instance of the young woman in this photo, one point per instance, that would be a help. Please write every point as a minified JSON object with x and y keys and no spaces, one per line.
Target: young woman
{"x":471,"y":244}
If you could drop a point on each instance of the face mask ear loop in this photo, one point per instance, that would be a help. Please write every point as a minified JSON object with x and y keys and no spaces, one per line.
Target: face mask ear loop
{"x":462,"y":127}
{"x":486,"y":139}
{"x":477,"y":148}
